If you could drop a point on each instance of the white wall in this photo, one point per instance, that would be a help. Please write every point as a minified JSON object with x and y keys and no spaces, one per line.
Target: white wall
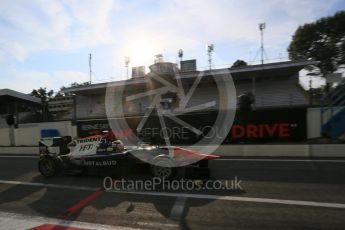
{"x":4,"y":137}
{"x":29,"y":134}
{"x":3,"y":123}
{"x":309,"y":151}
{"x":20,"y":150}
{"x":313,"y":123}
{"x":74,"y":131}
{"x":283,"y":150}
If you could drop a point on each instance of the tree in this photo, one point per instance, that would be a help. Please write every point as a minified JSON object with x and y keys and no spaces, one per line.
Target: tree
{"x":239,"y":63}
{"x":323,"y":40}
{"x":45,"y":96}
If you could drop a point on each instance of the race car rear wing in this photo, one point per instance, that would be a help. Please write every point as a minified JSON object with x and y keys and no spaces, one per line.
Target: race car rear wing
{"x":57,"y":145}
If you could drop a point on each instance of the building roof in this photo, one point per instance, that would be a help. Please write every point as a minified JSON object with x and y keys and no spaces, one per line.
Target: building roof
{"x":19,"y":95}
{"x":263,"y":70}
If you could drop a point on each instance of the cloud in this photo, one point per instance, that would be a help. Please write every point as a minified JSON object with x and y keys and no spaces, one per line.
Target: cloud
{"x":191,"y":24}
{"x":26,"y":80}
{"x":29,"y":28}
{"x":91,"y":21}
{"x":36,"y":26}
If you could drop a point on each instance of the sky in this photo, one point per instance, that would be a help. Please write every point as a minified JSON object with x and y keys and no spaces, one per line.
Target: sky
{"x":47,"y":43}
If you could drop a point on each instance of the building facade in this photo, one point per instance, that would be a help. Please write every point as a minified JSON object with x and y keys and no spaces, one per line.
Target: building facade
{"x":273,"y":85}
{"x":279,"y":100}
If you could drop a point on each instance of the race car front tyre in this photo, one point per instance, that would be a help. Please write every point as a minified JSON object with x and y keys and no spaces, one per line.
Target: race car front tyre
{"x":48,"y":167}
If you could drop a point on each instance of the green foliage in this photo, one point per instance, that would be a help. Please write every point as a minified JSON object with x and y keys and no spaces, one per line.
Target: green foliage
{"x":323,"y":40}
{"x":239,"y":63}
{"x":43,"y":93}
{"x":45,"y":96}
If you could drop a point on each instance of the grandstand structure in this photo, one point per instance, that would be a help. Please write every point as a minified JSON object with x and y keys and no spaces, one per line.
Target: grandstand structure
{"x":23,"y":107}
{"x":273,"y":85}
{"x":61,"y":107}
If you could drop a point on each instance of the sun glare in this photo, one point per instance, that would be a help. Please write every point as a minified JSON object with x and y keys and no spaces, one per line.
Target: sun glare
{"x":141,"y":51}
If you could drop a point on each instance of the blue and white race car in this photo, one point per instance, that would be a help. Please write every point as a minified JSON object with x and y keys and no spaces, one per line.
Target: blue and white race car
{"x":61,"y":154}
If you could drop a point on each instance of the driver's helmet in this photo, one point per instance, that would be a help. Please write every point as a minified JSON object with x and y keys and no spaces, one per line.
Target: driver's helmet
{"x":118,"y":145}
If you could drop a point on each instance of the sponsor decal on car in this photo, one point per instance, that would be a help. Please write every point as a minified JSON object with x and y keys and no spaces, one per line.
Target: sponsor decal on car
{"x":98,"y":163}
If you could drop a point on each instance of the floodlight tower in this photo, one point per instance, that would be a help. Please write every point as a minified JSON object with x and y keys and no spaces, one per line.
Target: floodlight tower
{"x":180,"y":54}
{"x":210,"y":49}
{"x":262,"y":27}
{"x":90,"y":67}
{"x":127,"y":61}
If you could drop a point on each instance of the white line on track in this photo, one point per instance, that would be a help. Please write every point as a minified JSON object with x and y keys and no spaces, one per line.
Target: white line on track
{"x":189,"y":195}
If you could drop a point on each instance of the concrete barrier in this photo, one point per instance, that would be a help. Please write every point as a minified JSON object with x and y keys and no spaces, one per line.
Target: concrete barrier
{"x":4,"y":136}
{"x":329,"y":150}
{"x":302,"y":150}
{"x":264,"y":150}
{"x":282,"y":150}
{"x":19,"y":150}
{"x":28,"y":134}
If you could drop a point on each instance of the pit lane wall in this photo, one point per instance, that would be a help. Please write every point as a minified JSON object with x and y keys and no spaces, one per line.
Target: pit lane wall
{"x":26,"y":137}
{"x":286,"y":150}
{"x":29,"y":134}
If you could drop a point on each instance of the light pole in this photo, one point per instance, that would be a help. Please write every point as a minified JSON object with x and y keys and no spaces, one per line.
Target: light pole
{"x":180,"y":55}
{"x":210,"y":49}
{"x":262,"y":26}
{"x":127,"y":61}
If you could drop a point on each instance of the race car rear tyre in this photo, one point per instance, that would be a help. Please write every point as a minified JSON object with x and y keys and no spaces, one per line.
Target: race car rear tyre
{"x":47,"y":167}
{"x":163,"y":167}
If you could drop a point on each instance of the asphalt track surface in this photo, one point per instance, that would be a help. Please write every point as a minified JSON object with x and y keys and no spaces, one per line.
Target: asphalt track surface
{"x":274,"y":194}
